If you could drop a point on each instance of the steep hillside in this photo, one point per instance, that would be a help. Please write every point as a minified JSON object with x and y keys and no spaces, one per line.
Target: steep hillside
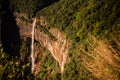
{"x":74,"y":40}
{"x":88,"y":24}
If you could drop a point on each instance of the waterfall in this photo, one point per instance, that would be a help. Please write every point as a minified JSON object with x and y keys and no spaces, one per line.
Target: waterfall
{"x":32,"y":47}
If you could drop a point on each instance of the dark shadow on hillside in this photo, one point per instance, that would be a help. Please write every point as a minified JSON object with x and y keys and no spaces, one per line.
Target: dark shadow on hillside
{"x":10,"y":36}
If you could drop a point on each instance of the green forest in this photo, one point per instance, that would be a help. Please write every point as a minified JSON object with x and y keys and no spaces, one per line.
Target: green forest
{"x":92,"y":28}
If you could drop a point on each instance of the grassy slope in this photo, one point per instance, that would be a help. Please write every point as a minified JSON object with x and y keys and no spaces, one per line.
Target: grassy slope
{"x":80,"y":20}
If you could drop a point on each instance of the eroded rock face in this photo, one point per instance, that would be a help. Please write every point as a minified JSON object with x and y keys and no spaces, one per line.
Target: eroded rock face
{"x":58,"y":47}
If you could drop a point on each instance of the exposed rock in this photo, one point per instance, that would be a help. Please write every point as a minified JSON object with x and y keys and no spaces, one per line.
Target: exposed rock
{"x":58,"y":48}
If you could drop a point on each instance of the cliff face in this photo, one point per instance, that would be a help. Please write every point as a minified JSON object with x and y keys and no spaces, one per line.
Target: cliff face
{"x":58,"y":48}
{"x":81,"y":36}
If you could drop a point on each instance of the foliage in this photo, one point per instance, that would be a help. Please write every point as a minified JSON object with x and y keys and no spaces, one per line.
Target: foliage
{"x":95,"y":17}
{"x":46,"y":31}
{"x":7,"y":68}
{"x":49,"y":69}
{"x":11,"y":68}
{"x":25,"y":6}
{"x":77,"y":19}
{"x":29,"y":6}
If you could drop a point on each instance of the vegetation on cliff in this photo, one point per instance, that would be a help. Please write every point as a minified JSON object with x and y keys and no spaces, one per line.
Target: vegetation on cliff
{"x":93,"y":28}
{"x":88,"y":24}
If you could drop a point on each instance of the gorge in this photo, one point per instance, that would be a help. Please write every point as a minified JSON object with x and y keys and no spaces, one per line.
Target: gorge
{"x":59,"y":40}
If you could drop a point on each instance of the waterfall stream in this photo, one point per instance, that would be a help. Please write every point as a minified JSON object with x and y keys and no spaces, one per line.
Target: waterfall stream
{"x":32,"y":47}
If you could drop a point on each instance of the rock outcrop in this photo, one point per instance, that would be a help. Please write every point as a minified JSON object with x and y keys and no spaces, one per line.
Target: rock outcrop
{"x":58,"y":47}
